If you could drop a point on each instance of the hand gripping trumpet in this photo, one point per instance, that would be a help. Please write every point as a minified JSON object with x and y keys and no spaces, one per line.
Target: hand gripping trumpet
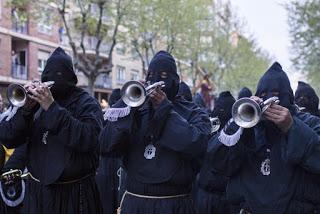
{"x":246,"y":112}
{"x":134,"y":93}
{"x":17,"y":94}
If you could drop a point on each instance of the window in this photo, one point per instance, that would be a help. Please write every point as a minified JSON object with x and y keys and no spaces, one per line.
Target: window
{"x":120,"y":49}
{"x":45,"y":23}
{"x":134,"y":75}
{"x":94,"y":9}
{"x":121,"y":74}
{"x":42,"y":60}
{"x":134,"y":55}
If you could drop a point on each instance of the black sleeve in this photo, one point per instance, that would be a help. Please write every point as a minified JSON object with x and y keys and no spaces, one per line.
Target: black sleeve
{"x":188,"y":137}
{"x":14,"y":132}
{"x":83,"y":131}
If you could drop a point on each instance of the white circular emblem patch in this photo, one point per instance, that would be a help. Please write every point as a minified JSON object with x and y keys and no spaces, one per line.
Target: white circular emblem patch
{"x":265,"y":167}
{"x":150,"y":152}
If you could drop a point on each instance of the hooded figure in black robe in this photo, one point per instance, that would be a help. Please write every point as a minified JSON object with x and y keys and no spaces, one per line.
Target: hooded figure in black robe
{"x":244,"y":92}
{"x":211,"y":193}
{"x":276,"y":171}
{"x":159,"y":146}
{"x":62,"y":146}
{"x":307,"y":99}
{"x":185,"y":92}
{"x":107,"y":176}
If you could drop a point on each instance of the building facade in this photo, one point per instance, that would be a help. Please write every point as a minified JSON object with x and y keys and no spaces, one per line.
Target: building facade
{"x":25,"y":45}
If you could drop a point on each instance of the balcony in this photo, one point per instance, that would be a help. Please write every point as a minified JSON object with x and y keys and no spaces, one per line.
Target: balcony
{"x":19,"y":23}
{"x":103,"y":81}
{"x":19,"y":71}
{"x":19,"y":27}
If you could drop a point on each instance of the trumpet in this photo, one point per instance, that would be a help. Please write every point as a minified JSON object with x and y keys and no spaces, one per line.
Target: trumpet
{"x":12,"y":196}
{"x":12,"y":174}
{"x":134,"y":93}
{"x":215,"y":124}
{"x":17,"y":94}
{"x":246,"y":112}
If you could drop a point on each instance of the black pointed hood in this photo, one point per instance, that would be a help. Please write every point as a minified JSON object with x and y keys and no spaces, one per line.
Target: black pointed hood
{"x":223,"y":106}
{"x":305,"y":96}
{"x":185,"y":92}
{"x":163,"y":68}
{"x":276,"y":80}
{"x":59,"y":68}
{"x":114,"y":97}
{"x":244,"y":92}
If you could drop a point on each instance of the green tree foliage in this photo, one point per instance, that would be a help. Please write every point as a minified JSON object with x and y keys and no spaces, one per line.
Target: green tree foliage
{"x":199,"y":33}
{"x":304,"y":23}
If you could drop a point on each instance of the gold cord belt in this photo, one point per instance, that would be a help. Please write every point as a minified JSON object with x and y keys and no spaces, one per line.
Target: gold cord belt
{"x":149,"y":197}
{"x":63,"y":182}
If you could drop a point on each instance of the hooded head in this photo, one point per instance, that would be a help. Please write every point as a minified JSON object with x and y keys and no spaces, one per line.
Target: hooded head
{"x":114,"y":97}
{"x":185,"y":92}
{"x":59,"y":68}
{"x":306,"y":97}
{"x":223,"y":106}
{"x":244,"y":92}
{"x":163,"y":68}
{"x":275,"y":82}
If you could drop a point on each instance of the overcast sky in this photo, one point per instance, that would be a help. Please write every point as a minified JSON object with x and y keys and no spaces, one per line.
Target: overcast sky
{"x":266,"y":20}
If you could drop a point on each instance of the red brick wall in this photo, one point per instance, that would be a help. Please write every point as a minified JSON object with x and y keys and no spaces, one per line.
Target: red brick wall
{"x":53,"y":37}
{"x":5,"y":18}
{"x":33,"y":59}
{"x":5,"y":55}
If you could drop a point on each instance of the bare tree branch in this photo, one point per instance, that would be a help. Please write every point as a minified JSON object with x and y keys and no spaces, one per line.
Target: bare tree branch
{"x":98,"y":32}
{"x":143,"y":63}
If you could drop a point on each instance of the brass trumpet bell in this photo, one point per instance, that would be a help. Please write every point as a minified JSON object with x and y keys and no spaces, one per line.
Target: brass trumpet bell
{"x":17,"y":95}
{"x":246,"y":112}
{"x":133,"y":93}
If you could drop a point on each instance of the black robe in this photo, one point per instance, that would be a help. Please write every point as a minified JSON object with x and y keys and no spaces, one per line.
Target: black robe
{"x":62,"y":146}
{"x":108,"y":183}
{"x":210,"y":195}
{"x":293,"y":183}
{"x":179,"y":131}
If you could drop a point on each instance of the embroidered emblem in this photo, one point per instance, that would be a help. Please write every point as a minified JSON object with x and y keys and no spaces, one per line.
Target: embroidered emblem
{"x":44,"y":137}
{"x":150,"y":152}
{"x":265,"y":167}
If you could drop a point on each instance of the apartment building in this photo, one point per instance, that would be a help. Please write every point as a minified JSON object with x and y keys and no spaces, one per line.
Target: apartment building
{"x":26,"y":44}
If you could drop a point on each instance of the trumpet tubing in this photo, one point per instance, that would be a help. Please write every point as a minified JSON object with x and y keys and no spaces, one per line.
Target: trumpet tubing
{"x":17,"y":94}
